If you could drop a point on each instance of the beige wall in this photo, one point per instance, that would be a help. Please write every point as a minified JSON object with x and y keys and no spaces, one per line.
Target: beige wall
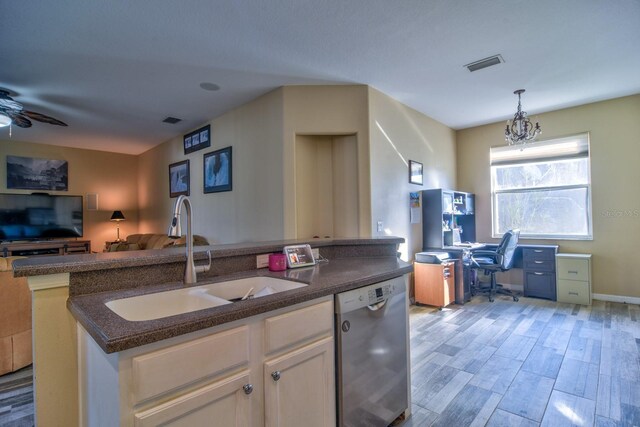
{"x":112,"y":176}
{"x":325,"y":110}
{"x":614,"y":127}
{"x":252,"y":211}
{"x":399,"y":134}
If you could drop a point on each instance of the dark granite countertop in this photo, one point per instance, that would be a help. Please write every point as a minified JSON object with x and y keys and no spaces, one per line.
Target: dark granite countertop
{"x":114,"y":334}
{"x":37,"y":266}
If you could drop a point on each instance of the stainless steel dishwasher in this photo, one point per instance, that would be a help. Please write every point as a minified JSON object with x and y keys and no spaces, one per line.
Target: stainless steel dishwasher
{"x":372,"y":354}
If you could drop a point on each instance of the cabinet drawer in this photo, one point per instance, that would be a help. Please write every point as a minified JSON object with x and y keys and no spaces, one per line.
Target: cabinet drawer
{"x":297,"y":326}
{"x":155,"y":373}
{"x":222,"y":403}
{"x":573,"y":269}
{"x":538,"y":253}
{"x":540,"y":264}
{"x":539,"y":284}
{"x":574,"y":292}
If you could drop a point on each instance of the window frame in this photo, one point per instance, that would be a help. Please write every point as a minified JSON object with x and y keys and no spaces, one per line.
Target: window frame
{"x":585,"y":138}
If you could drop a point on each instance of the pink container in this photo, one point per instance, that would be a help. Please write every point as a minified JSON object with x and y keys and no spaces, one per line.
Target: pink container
{"x":277,"y":262}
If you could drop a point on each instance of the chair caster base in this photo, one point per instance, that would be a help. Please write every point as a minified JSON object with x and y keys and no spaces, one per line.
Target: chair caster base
{"x":516,"y":299}
{"x":490,"y":299}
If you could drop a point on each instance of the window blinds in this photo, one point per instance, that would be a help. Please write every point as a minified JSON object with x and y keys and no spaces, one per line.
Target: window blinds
{"x":574,"y":146}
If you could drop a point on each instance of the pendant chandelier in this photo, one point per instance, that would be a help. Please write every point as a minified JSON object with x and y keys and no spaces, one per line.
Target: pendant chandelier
{"x":519,"y":131}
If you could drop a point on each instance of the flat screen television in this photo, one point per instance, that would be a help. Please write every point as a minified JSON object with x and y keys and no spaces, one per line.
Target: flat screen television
{"x":39,"y":216}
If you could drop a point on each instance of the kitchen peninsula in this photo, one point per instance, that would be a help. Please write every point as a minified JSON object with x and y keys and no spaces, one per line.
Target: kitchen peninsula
{"x":69,"y":296}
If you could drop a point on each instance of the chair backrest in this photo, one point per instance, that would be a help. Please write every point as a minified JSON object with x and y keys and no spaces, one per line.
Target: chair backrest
{"x":507,"y":249}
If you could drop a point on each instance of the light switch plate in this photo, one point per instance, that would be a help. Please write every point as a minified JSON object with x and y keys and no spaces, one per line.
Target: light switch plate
{"x":380,"y":226}
{"x":262,"y":261}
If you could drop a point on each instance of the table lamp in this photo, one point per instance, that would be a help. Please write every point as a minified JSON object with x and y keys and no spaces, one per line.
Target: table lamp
{"x":117,"y":216}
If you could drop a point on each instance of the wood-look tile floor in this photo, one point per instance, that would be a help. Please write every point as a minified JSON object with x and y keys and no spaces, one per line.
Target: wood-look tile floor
{"x":16,"y":399}
{"x":527,"y":363}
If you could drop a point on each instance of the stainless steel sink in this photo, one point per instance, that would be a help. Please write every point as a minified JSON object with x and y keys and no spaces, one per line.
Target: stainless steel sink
{"x":180,"y":301}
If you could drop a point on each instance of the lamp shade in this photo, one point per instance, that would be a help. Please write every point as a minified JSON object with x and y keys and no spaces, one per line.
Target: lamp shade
{"x":117,"y":216}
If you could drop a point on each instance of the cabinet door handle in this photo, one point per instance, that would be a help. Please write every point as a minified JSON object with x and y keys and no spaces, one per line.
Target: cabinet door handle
{"x":275,"y":375}
{"x":539,"y":262}
{"x":248,"y":388}
{"x":537,"y":274}
{"x":573,"y":293}
{"x":538,"y":251}
{"x":572,"y":272}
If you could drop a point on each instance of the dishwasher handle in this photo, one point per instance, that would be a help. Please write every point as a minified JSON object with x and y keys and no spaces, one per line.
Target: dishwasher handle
{"x":377,"y":306}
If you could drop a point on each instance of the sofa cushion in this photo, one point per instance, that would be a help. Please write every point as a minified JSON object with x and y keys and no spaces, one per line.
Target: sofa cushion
{"x":158,"y":241}
{"x":123,"y":246}
{"x":197,"y":241}
{"x":134,"y":238}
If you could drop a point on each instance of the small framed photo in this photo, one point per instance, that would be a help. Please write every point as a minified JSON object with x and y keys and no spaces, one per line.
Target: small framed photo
{"x":179,"y":178}
{"x":415,"y":172}
{"x":197,"y":140}
{"x":217,"y":171}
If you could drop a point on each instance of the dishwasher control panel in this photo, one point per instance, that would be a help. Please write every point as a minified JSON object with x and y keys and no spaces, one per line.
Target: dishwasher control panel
{"x":378,"y":294}
{"x":368,"y":295}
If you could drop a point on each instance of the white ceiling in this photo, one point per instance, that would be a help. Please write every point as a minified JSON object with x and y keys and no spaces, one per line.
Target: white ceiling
{"x":114,"y":69}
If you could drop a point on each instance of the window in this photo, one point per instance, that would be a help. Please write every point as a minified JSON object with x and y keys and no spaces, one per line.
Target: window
{"x":544,"y":189}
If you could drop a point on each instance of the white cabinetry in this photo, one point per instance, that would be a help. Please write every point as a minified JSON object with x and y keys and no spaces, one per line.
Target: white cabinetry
{"x":574,"y":278}
{"x":273,"y":369}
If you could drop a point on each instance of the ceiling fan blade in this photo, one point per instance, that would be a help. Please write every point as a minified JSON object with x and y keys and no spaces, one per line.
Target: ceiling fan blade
{"x":19,"y":120}
{"x":43,"y":118}
{"x":7,"y":103}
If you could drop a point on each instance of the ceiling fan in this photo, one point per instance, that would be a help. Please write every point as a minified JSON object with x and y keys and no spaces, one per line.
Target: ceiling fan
{"x":12,"y":113}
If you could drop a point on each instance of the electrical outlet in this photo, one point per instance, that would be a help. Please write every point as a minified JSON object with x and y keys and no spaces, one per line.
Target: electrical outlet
{"x":315,"y":252}
{"x":379,"y":225}
{"x":262,"y":261}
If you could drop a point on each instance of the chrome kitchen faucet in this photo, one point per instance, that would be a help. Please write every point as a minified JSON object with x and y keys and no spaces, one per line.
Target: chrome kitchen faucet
{"x":175,"y":231}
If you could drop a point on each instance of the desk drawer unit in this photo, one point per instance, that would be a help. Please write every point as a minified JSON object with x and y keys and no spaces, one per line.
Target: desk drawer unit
{"x":574,"y":278}
{"x":539,"y":265}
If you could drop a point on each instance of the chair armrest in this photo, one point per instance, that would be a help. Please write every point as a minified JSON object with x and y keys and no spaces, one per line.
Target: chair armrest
{"x":483,"y":253}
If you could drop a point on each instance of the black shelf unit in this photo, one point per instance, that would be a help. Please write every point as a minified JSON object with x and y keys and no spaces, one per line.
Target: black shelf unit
{"x":444,"y":211}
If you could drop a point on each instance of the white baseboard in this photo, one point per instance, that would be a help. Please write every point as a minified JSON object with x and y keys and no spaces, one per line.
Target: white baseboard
{"x":617,"y":298}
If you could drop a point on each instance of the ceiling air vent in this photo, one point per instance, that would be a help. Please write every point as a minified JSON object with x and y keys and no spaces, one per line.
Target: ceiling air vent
{"x":484,"y":63}
{"x":171,"y":120}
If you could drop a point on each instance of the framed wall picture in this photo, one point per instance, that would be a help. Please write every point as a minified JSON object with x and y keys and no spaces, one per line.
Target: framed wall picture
{"x":197,"y":140}
{"x":415,"y":172}
{"x":28,"y":173}
{"x":217,"y":171}
{"x":179,"y":178}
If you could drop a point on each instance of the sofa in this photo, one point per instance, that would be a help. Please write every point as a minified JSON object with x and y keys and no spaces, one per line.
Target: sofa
{"x":15,"y":319}
{"x":135,"y":242}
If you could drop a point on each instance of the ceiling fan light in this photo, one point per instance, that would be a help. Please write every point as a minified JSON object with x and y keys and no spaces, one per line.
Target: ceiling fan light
{"x":4,"y":120}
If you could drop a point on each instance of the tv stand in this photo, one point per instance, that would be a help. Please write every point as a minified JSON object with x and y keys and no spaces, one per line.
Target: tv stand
{"x":45,"y":248}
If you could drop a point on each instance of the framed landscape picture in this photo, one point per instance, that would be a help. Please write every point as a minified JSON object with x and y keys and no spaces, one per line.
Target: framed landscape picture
{"x":218,"y":171}
{"x":179,"y":178}
{"x":28,"y":173}
{"x":197,"y":140}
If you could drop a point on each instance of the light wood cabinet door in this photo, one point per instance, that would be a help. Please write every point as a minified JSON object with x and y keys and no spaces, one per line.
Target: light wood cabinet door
{"x":300,"y":387}
{"x":224,"y":403}
{"x":434,"y":283}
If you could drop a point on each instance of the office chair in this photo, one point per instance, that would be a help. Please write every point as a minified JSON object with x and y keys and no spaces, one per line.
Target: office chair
{"x":499,"y":260}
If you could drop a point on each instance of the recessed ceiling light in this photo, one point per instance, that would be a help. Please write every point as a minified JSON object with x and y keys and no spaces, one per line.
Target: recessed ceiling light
{"x":484,"y":63}
{"x":171,"y":120}
{"x":209,"y":86}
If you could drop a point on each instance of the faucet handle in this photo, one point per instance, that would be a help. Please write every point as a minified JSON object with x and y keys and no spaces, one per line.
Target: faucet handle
{"x":204,"y":268}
